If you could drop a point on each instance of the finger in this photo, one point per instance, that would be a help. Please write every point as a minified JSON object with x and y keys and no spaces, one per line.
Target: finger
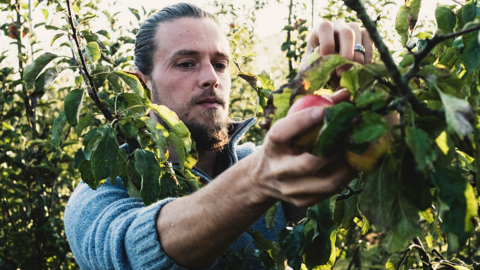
{"x":357,"y":56}
{"x":285,"y":129}
{"x":298,"y":166}
{"x":323,"y":36}
{"x":369,"y":46}
{"x":340,"y":95}
{"x":346,"y":40}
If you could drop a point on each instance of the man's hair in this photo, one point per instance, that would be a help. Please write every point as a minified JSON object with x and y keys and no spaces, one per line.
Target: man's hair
{"x":145,"y":45}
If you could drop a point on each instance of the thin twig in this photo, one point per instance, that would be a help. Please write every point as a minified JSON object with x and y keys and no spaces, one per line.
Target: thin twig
{"x":402,"y":261}
{"x":427,"y":264}
{"x":353,"y":258}
{"x":349,"y":194}
{"x":92,"y":91}
{"x":438,"y":254}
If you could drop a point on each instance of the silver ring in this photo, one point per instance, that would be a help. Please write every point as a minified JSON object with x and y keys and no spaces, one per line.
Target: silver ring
{"x":359,"y":48}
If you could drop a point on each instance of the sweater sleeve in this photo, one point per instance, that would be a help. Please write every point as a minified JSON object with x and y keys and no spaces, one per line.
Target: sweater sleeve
{"x":107,"y":229}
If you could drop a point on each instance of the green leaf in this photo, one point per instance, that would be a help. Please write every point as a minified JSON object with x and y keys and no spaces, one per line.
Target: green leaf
{"x":414,"y":6}
{"x":57,"y":36}
{"x":470,"y":10}
{"x":459,"y":206}
{"x":136,"y":106}
{"x":85,"y":170}
{"x":266,"y":81}
{"x":421,"y":145}
{"x":319,"y":252}
{"x":335,"y":128}
{"x":458,"y":113}
{"x":291,"y":242}
{"x":271,"y":247}
{"x":104,"y":158}
{"x":99,"y":74}
{"x":470,"y":52}
{"x":319,"y":74}
{"x":233,"y":261}
{"x":59,"y":132}
{"x":160,"y":137}
{"x":270,"y":216}
{"x":51,"y":74}
{"x":45,"y":14}
{"x":135,"y":12}
{"x":31,"y":71}
{"x":264,"y":258}
{"x":73,"y":105}
{"x":401,"y":24}
{"x":84,"y":122}
{"x":371,"y":128}
{"x":52,"y":27}
{"x":349,"y":80}
{"x":179,"y":134}
{"x":132,"y":81}
{"x":104,"y":33}
{"x":149,"y":169}
{"x":167,"y":183}
{"x":369,"y":97}
{"x":93,"y":51}
{"x":179,"y":149}
{"x":282,"y":104}
{"x":446,"y":21}
{"x":79,"y":157}
{"x":385,"y":206}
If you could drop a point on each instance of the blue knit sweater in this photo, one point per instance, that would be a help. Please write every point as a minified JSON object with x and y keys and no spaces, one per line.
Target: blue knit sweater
{"x":107,"y":229}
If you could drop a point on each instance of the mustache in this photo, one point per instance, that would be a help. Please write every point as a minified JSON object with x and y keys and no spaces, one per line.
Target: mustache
{"x":208,"y":94}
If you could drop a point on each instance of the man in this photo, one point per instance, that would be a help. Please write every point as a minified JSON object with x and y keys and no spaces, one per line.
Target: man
{"x":183,"y":56}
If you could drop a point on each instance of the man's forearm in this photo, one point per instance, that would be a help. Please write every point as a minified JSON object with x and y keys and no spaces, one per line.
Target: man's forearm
{"x":195,"y":230}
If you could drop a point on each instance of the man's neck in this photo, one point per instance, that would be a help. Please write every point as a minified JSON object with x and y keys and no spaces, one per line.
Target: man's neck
{"x":206,"y":160}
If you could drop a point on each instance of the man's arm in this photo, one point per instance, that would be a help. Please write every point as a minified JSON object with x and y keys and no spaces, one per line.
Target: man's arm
{"x":195,"y":230}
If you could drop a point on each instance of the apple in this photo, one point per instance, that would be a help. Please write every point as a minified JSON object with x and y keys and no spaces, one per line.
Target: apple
{"x":305,"y":141}
{"x":12,"y":31}
{"x":367,"y":160}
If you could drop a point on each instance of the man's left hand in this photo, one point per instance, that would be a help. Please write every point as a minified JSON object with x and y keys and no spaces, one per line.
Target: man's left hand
{"x":339,"y":38}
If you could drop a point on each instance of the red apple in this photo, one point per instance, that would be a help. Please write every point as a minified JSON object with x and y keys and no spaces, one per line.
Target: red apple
{"x":305,"y":141}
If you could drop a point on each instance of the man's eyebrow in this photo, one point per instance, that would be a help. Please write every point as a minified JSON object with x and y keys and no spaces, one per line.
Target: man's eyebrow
{"x":193,"y":52}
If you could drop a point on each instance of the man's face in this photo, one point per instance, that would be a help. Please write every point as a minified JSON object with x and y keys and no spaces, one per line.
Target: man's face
{"x":191,"y":75}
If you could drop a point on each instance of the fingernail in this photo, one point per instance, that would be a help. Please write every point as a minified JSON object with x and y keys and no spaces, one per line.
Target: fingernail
{"x":317,"y":113}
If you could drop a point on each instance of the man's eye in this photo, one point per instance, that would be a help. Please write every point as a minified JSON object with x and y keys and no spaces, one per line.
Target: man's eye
{"x":185,"y":65}
{"x":220,"y":66}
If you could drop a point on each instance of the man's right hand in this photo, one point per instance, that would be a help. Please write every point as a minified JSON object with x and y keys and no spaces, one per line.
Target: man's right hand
{"x":281,"y":174}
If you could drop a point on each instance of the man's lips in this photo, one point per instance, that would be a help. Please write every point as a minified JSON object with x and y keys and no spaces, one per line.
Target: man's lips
{"x":210,"y":102}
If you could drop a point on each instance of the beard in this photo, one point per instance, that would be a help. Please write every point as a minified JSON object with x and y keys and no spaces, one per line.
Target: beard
{"x":212,"y":136}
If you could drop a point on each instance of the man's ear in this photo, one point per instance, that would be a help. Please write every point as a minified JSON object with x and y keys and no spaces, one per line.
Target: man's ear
{"x":144,"y":77}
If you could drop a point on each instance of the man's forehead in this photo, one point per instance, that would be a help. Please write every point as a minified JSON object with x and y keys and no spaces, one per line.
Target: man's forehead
{"x":189,"y":36}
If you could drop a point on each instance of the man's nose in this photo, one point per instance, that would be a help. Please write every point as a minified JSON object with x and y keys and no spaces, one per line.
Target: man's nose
{"x":209,"y":78}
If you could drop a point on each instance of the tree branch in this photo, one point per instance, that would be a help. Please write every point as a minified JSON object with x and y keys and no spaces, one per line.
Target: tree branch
{"x":400,"y":81}
{"x":92,"y":91}
{"x":431,"y":43}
